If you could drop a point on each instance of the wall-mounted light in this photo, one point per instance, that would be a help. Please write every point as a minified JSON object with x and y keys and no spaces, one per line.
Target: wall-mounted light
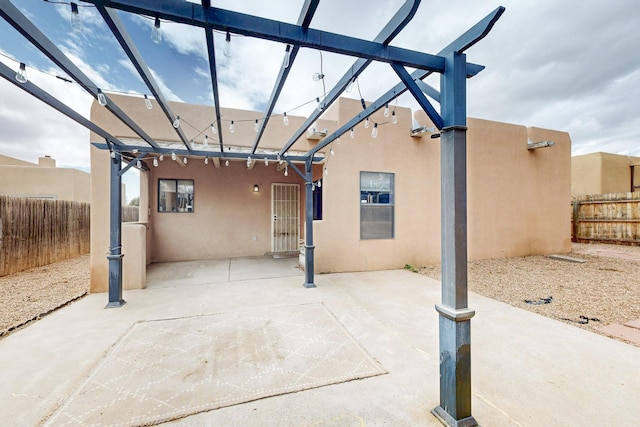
{"x":256,"y":188}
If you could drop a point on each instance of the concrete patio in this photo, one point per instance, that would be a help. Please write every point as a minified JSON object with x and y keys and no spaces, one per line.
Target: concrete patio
{"x":528,"y":370}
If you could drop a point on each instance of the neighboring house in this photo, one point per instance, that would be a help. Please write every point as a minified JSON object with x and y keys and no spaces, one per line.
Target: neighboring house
{"x":602,"y":173}
{"x":43,"y":180}
{"x":377,"y":206}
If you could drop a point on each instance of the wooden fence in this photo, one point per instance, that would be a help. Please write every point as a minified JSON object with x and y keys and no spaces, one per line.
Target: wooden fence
{"x":36,"y":232}
{"x":607,"y":218}
{"x":130,"y":214}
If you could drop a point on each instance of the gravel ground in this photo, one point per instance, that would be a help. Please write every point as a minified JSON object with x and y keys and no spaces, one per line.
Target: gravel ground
{"x":30,"y":294}
{"x":606,"y":287}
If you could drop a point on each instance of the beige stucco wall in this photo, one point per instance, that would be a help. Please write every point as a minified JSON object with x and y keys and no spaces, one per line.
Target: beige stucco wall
{"x":24,"y":179}
{"x":518,"y":200}
{"x":601,"y":173}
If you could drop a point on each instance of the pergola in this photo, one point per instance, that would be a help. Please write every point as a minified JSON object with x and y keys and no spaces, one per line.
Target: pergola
{"x":450,"y":63}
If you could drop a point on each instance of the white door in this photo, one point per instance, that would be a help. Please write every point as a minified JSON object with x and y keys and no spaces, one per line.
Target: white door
{"x":285,"y":217}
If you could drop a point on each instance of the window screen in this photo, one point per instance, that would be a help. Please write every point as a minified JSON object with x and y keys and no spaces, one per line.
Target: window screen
{"x":376,"y":205}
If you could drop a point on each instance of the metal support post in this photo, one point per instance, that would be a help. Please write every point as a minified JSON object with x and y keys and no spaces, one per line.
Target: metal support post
{"x":308,"y":232}
{"x":455,"y":316}
{"x":115,"y":236}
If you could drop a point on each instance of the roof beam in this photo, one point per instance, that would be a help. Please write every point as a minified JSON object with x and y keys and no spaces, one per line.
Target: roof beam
{"x":418,"y":95}
{"x":214,"y":83}
{"x":118,"y":29}
{"x":278,"y":31}
{"x":465,"y":41}
{"x":393,"y":27}
{"x":304,"y":20}
{"x":23,"y":25}
{"x":42,"y":95}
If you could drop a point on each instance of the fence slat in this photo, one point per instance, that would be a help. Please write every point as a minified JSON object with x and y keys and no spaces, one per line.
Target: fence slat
{"x":607,"y":218}
{"x":37,"y":232}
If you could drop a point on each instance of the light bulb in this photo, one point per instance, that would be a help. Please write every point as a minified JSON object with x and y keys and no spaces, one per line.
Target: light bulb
{"x":326,"y":171}
{"x":338,"y":140}
{"x":227,"y":46}
{"x":266,"y":161}
{"x":139,"y":164}
{"x":366,"y":123}
{"x":206,"y":160}
{"x":155,"y":162}
{"x":156,"y":35}
{"x":350,"y":86}
{"x":135,"y":151}
{"x":102,"y":100}
{"x":256,"y":126}
{"x":232,"y":127}
{"x":173,"y":155}
{"x":21,"y":75}
{"x":287,"y":57}
{"x":206,"y":140}
{"x":161,"y":157}
{"x":76,"y":23}
{"x":147,"y":103}
{"x":226,"y":162}
{"x":286,"y":171}
{"x":249,"y":161}
{"x":386,"y":110}
{"x":352,"y":134}
{"x":394,"y":118}
{"x":333,"y":153}
{"x":113,"y":154}
{"x":184,"y":159}
{"x":317,"y":77}
{"x":319,"y":183}
{"x":176,"y":122}
{"x":213,"y":129}
{"x":374,"y":131}
{"x":285,"y":119}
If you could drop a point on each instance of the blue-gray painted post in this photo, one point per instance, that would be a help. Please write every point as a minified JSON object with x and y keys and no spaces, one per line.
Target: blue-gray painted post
{"x":455,"y":316}
{"x":308,"y":232}
{"x":115,"y":236}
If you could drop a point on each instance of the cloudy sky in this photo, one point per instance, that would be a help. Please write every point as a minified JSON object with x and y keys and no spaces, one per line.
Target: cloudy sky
{"x":570,"y":65}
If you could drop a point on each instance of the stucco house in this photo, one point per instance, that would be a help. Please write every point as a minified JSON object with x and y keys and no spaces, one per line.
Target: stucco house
{"x":376,"y":199}
{"x":602,"y":173}
{"x":43,"y":180}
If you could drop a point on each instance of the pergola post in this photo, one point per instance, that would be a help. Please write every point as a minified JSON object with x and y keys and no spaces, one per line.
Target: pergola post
{"x":115,"y":236}
{"x":455,"y":316}
{"x":308,"y":232}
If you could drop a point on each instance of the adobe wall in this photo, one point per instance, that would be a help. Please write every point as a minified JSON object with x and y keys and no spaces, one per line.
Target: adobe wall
{"x":602,"y":173}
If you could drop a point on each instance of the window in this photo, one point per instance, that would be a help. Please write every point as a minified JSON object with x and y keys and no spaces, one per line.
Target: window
{"x":317,"y":200}
{"x":376,"y":205}
{"x":175,"y":195}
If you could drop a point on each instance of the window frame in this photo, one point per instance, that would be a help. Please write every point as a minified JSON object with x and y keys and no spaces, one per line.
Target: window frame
{"x":389,"y":204}
{"x":177,"y":183}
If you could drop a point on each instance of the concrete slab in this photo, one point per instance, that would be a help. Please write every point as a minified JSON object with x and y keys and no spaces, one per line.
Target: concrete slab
{"x":264,"y":267}
{"x":527,"y":370}
{"x":187,"y":273}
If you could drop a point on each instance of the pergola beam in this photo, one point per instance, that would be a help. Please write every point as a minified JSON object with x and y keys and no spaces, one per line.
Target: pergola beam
{"x":119,"y":31}
{"x":23,"y":25}
{"x":412,"y":87}
{"x":394,"y":26}
{"x":304,"y":20}
{"x":214,"y":84}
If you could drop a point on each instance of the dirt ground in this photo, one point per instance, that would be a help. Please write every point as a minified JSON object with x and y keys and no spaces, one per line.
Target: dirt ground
{"x":606,"y":287}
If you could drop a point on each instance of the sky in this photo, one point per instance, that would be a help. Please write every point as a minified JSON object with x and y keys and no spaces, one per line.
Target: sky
{"x":569,"y":65}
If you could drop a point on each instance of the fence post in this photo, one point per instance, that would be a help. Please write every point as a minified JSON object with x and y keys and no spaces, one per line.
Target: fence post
{"x":576,"y":215}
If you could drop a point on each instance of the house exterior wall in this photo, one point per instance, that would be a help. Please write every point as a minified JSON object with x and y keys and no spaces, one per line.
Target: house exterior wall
{"x":24,"y":179}
{"x":602,"y":173}
{"x":518,"y":200}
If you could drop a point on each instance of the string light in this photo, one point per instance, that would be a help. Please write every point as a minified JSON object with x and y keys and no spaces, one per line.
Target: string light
{"x":386,"y":110}
{"x":366,"y":123}
{"x":333,"y":153}
{"x":249,"y":161}
{"x":161,"y":157}
{"x":213,"y":129}
{"x":394,"y":118}
{"x":206,"y":160}
{"x":173,"y":156}
{"x":352,"y":133}
{"x":285,"y":119}
{"x":227,"y":46}
{"x":226,"y":162}
{"x":102,"y":100}
{"x":279,"y":159}
{"x":139,"y":164}
{"x":184,"y":159}
{"x":147,"y":103}
{"x":176,"y":122}
{"x":76,"y":23}
{"x":206,"y":141}
{"x":155,"y":162}
{"x":326,"y":171}
{"x":286,"y":170}
{"x":232,"y":127}
{"x":374,"y":131}
{"x":350,"y":86}
{"x":156,"y":35}
{"x":266,"y":162}
{"x":21,"y":75}
{"x":287,"y":57}
{"x":317,"y":76}
{"x":113,"y":154}
{"x":256,"y":126}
